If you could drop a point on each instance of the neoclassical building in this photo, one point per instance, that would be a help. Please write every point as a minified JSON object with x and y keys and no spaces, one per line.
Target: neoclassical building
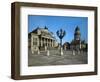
{"x":41,"y":39}
{"x":77,"y":43}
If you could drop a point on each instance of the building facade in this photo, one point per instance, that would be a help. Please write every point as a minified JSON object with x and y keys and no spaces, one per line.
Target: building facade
{"x":77,"y":43}
{"x":41,"y":39}
{"x":66,"y":46}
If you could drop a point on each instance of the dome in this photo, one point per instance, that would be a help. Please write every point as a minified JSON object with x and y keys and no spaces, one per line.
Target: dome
{"x":77,"y":30}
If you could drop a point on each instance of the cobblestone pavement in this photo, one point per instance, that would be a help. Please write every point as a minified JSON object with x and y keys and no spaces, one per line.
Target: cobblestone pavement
{"x":55,"y":58}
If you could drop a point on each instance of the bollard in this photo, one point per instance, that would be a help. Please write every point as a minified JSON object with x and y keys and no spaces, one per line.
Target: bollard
{"x":48,"y":53}
{"x":73,"y":52}
{"x":61,"y":52}
{"x":45,"y":48}
{"x":32,"y":52}
{"x":38,"y":52}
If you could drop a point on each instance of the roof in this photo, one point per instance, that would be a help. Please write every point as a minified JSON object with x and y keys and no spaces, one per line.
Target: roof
{"x":66,"y":44}
{"x":44,"y":32}
{"x":77,"y":31}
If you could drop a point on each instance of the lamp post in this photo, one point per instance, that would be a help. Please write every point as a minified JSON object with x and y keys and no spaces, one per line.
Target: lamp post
{"x":61,"y":33}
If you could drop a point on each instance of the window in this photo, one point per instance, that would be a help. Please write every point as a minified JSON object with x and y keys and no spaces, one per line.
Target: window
{"x":34,"y":41}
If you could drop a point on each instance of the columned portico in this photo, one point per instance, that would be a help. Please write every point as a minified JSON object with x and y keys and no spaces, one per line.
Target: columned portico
{"x":45,"y":41}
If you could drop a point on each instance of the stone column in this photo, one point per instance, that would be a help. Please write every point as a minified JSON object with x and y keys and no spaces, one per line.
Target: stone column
{"x":41,"y":42}
{"x":47,"y":42}
{"x":52,"y":43}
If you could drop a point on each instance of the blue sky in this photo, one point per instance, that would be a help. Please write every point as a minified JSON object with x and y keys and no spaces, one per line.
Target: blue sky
{"x":55,"y":23}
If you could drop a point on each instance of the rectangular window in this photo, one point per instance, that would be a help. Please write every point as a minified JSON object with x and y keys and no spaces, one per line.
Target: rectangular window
{"x":34,"y":41}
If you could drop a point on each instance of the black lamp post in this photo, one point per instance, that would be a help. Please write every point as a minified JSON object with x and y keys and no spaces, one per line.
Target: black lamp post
{"x":61,"y":33}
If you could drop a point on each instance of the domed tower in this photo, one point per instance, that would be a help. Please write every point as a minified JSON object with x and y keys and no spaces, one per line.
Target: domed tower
{"x":77,"y":34}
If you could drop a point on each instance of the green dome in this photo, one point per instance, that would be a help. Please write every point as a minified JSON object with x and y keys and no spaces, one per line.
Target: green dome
{"x":77,"y":31}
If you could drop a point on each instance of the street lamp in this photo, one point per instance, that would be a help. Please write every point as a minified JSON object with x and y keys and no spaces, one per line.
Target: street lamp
{"x":61,"y":33}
